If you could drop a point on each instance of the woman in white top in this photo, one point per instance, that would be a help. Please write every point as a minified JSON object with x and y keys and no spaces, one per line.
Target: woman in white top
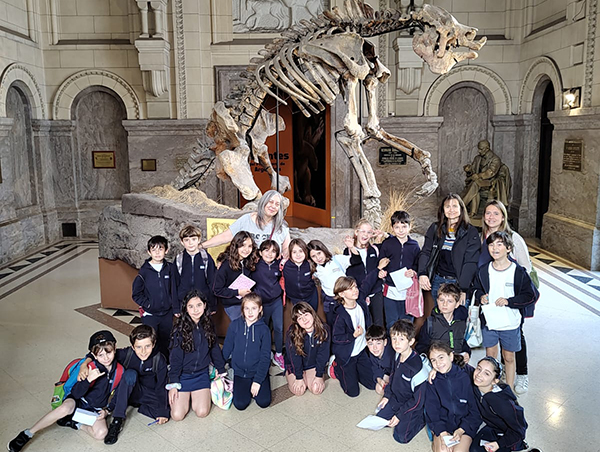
{"x":266,"y":223}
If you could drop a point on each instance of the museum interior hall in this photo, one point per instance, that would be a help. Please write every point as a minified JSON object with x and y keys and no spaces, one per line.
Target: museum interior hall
{"x":121,"y":120}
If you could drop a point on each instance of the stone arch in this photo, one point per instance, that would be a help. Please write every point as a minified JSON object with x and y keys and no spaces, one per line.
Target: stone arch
{"x":540,"y":68}
{"x":66,"y":93}
{"x":471,"y":73}
{"x":17,"y":72}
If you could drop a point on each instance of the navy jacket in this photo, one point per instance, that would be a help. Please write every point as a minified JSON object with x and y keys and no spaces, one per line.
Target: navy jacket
{"x":96,"y":393}
{"x":249,"y":349}
{"x":317,"y":355}
{"x":299,"y":284}
{"x":501,"y":412}
{"x":402,"y":400}
{"x":267,"y":277}
{"x":400,"y":255}
{"x":223,"y":279}
{"x":450,"y":403}
{"x":198,"y":360}
{"x":465,"y":253}
{"x":152,"y":381}
{"x":436,"y":328}
{"x":384,"y":365}
{"x":359,"y":271}
{"x":156,"y":292}
{"x":196,"y":274}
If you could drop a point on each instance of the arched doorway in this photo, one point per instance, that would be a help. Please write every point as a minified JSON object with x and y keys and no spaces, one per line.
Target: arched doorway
{"x":545,"y":154}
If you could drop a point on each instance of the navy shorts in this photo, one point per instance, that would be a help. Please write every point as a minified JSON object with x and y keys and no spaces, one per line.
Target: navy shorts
{"x":510,"y":340}
{"x":195,"y":382}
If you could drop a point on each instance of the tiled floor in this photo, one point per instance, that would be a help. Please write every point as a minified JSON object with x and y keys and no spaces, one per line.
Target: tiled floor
{"x":46,"y":302}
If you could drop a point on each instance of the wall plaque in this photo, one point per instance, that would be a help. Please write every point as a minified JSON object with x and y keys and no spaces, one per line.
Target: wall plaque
{"x":391,"y":156}
{"x":103,"y":159}
{"x":148,"y":164}
{"x":573,"y":155}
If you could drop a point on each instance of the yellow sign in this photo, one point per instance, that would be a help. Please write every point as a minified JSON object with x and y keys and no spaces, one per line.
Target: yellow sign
{"x":214,"y":226}
{"x":103,"y":159}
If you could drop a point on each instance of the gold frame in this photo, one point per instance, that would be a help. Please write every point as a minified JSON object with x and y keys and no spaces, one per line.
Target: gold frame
{"x":103,"y":159}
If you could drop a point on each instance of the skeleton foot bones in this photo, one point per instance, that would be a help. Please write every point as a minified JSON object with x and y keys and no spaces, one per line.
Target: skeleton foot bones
{"x":311,"y":64}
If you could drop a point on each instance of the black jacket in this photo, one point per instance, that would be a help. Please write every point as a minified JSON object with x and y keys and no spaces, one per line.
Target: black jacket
{"x":156,"y":292}
{"x":225,"y":276}
{"x":359,"y":271}
{"x":436,"y":328}
{"x":196,"y":273}
{"x":96,"y":393}
{"x":299,"y":283}
{"x":317,"y":355}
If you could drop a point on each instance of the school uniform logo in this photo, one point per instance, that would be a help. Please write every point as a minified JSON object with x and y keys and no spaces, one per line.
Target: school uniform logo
{"x":462,"y":400}
{"x":406,"y":378}
{"x":307,"y":274}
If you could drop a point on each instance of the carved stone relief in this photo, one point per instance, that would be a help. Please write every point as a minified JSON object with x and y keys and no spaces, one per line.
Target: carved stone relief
{"x":273,"y":15}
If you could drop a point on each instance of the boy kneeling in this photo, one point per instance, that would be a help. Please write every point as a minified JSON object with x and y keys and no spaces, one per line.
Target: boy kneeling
{"x":90,"y":394}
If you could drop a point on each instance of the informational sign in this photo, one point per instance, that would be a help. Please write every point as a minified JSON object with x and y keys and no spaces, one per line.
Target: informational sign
{"x":573,"y":155}
{"x":103,"y":159}
{"x":391,"y":156}
{"x":148,"y":164}
{"x":214,"y":226}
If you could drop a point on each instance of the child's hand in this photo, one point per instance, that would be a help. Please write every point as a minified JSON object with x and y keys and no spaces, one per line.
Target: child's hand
{"x":431,"y":377}
{"x":380,"y":386}
{"x":382,"y":274}
{"x":492,"y":447}
{"x":485,"y":299}
{"x":318,"y":385}
{"x":177,"y":315}
{"x":173,"y":395}
{"x":383,"y":263}
{"x":103,"y":414}
{"x":358,"y":331}
{"x":501,"y":302}
{"x":254,"y":389}
{"x":382,"y":403}
{"x":349,"y":242}
{"x":162,"y":420}
{"x":462,"y":299}
{"x":243,"y":292}
{"x":424,"y":282}
{"x":84,"y":370}
{"x":410,"y":273}
{"x":393,"y":421}
{"x":378,"y":235}
{"x":466,"y":356}
{"x":458,"y":433}
{"x":94,"y":374}
{"x":298,"y":387}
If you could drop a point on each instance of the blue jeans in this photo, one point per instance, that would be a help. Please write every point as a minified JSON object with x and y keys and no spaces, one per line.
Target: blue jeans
{"x":395,"y":310}
{"x":274,"y":310}
{"x":438,"y":280}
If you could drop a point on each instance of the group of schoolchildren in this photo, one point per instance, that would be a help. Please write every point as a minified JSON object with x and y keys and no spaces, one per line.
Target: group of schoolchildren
{"x":166,"y":369}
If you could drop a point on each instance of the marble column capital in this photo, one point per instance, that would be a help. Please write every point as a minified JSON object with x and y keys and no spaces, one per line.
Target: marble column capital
{"x":41,"y":126}
{"x":149,"y":127}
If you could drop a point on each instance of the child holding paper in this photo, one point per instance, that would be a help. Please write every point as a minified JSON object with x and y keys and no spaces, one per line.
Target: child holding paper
{"x":403,"y":252}
{"x":503,"y":287}
{"x":239,"y":258}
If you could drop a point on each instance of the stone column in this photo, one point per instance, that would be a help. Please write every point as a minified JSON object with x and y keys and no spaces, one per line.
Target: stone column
{"x":571,"y":226}
{"x":7,"y":197}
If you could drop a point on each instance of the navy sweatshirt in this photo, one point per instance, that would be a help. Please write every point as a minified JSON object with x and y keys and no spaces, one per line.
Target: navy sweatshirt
{"x":359,"y":271}
{"x":249,"y":348}
{"x":450,"y":403}
{"x":96,"y":393}
{"x":384,"y":365}
{"x":267,"y":277}
{"x":196,"y":273}
{"x":317,"y":355}
{"x":223,"y":279}
{"x":437,"y":328}
{"x":501,"y":412}
{"x":402,"y":400}
{"x":400,"y":255}
{"x":299,"y":284}
{"x":198,"y":360}
{"x":156,"y":292}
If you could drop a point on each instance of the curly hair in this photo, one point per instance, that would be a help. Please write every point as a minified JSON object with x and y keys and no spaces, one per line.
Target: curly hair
{"x":183,"y":328}
{"x":232,"y":255}
{"x":297,"y":334}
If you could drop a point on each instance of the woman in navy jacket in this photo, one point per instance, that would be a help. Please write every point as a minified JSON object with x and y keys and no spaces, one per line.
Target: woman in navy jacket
{"x":451,"y":249}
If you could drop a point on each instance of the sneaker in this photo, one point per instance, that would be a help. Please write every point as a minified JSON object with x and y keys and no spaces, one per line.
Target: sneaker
{"x":278,"y":360}
{"x":68,"y":421}
{"x":18,"y":443}
{"x":521,"y":384}
{"x":114,"y":429}
{"x":330,"y":370}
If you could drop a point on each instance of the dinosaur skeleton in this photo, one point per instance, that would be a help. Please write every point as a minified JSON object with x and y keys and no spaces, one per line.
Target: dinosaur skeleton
{"x":311,"y":64}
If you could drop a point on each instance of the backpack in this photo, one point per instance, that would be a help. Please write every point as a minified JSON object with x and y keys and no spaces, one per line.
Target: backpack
{"x":422,"y":375}
{"x":203,"y":253}
{"x":63,"y":387}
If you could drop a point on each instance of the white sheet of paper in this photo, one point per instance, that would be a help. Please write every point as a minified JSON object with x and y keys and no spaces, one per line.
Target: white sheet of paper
{"x":400,"y":281}
{"x":242,"y":282}
{"x":84,"y":416}
{"x":449,"y":441}
{"x":372,"y":422}
{"x":496,"y":317}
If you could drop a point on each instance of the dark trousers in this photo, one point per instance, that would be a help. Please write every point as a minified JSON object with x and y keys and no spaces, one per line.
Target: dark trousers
{"x":130,"y":392}
{"x":395,"y":310}
{"x":357,"y":370}
{"x":328,"y":306}
{"x":162,"y":324}
{"x":274,"y":310}
{"x":487,"y":434}
{"x":242,"y":395}
{"x":521,"y":355}
{"x":410,"y":423}
{"x":376,"y":308}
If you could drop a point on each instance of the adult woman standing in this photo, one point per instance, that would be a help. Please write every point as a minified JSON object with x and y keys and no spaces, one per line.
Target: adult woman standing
{"x":495,"y":218}
{"x":266,"y":223}
{"x":451,"y":249}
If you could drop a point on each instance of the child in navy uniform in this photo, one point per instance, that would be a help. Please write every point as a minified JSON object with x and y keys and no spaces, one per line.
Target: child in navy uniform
{"x":239,"y":258}
{"x":403,"y":252}
{"x":248,"y":345}
{"x":155,"y":291}
{"x":307,"y":346}
{"x":196,"y":269}
{"x":193,"y":347}
{"x":404,"y":396}
{"x":450,"y":406}
{"x":447,"y":323}
{"x":91,"y":394}
{"x":267,"y":277}
{"x":382,"y":356}
{"x":298,"y":276}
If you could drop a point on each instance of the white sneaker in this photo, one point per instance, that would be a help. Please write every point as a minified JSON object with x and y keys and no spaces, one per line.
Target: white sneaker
{"x":521,"y":384}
